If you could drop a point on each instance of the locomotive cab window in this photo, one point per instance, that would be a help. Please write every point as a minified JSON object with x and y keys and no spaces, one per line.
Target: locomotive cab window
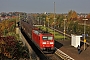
{"x":47,"y":38}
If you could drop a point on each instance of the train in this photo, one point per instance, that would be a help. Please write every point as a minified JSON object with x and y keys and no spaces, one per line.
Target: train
{"x":42,"y":39}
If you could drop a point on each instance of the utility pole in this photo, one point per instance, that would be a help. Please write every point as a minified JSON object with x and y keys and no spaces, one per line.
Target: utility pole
{"x":54,"y":18}
{"x":64,"y":28}
{"x":84,"y":31}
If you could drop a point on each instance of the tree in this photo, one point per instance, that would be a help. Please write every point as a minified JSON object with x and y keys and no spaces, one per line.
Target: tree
{"x":72,"y":15}
{"x":75,"y":27}
{"x":51,"y":16}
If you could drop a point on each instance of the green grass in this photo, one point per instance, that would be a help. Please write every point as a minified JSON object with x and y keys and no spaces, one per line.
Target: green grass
{"x":57,"y":36}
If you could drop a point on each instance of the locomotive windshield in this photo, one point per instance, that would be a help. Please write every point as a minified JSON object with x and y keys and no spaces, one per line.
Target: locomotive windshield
{"x":47,"y":38}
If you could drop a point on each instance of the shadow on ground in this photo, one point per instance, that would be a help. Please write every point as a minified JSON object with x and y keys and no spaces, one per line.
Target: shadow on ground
{"x":58,"y":44}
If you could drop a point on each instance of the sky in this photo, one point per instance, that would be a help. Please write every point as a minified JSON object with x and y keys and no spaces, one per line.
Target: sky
{"x":41,"y":6}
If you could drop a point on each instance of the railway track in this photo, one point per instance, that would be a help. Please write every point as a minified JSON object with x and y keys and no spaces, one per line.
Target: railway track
{"x":39,"y":53}
{"x":58,"y":55}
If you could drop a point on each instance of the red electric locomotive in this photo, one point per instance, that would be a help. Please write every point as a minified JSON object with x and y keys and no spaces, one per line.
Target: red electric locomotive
{"x":45,"y":41}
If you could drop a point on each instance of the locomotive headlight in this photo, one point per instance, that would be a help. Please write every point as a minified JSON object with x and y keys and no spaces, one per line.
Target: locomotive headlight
{"x":51,"y":43}
{"x":44,"y":43}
